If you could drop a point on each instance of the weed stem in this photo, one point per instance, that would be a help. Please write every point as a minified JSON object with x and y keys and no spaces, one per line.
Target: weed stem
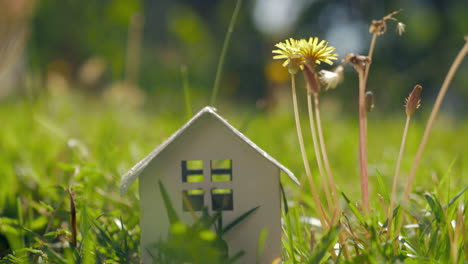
{"x":362,"y":143}
{"x":369,"y":55}
{"x":363,"y":127}
{"x":440,"y":97}
{"x":397,"y":173}
{"x":325,"y":155}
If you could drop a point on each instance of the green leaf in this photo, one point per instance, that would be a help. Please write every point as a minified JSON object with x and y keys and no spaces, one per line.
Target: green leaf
{"x":171,"y":213}
{"x":396,"y":215}
{"x":261,"y":243}
{"x":46,"y":206}
{"x":436,"y":208}
{"x":382,"y":187}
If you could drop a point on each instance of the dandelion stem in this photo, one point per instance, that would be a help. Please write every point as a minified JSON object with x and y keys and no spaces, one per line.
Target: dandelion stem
{"x":362,"y":142}
{"x":317,"y":150}
{"x":227,"y":39}
{"x":325,"y":155}
{"x":440,"y":97}
{"x":313,"y":188}
{"x":397,"y":173}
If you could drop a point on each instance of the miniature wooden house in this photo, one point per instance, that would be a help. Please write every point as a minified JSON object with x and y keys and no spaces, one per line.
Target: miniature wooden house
{"x":215,"y":166}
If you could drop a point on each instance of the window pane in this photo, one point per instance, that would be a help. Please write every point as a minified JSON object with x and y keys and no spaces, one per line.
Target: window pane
{"x":195,"y":178}
{"x":193,"y":200}
{"x":222,"y":199}
{"x":221,"y":164}
{"x":194,"y":164}
{"x":192,"y":171}
{"x":221,"y":170}
{"x":221,"y":177}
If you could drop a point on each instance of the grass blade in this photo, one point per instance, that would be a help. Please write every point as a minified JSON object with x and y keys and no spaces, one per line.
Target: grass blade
{"x":283,"y":198}
{"x":188,"y":101}
{"x":326,"y":243}
{"x":382,"y":187}
{"x":236,"y":257}
{"x":171,"y":213}
{"x":239,"y":219}
{"x":219,"y":69}
{"x":454,"y":199}
{"x":354,"y":209}
{"x":436,"y":207}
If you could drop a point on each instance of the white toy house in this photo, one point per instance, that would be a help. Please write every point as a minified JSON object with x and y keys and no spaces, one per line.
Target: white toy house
{"x":217,"y":167}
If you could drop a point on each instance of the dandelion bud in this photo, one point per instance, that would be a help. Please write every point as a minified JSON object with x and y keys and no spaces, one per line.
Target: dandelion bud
{"x":311,"y":79}
{"x":400,"y":28}
{"x":413,"y":101}
{"x":369,"y":101}
{"x":331,"y":79}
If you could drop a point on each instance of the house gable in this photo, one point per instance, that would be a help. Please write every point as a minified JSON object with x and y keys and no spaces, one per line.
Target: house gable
{"x":129,"y":177}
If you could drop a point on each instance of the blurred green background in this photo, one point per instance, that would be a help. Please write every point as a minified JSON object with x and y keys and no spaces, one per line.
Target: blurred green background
{"x":100,"y":46}
{"x":88,"y":88}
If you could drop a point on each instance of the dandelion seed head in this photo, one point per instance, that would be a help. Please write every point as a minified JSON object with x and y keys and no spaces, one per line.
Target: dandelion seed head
{"x":331,"y":79}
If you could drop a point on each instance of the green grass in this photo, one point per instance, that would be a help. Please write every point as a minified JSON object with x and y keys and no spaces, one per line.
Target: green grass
{"x":53,"y":143}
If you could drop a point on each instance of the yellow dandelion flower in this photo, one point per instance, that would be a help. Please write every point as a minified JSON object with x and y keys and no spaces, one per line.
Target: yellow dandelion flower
{"x":315,"y":52}
{"x":289,"y":50}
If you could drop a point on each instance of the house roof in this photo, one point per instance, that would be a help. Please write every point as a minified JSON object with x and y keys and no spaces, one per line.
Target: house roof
{"x":129,"y":177}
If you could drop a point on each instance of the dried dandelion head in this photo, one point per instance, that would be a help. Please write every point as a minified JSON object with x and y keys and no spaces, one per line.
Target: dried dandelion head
{"x":359,"y":62}
{"x":331,"y":79}
{"x":315,"y":52}
{"x":379,"y":27}
{"x":289,"y":50}
{"x":413,"y":101}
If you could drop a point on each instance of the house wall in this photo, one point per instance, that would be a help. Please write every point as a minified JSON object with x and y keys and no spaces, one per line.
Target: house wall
{"x":255,"y":182}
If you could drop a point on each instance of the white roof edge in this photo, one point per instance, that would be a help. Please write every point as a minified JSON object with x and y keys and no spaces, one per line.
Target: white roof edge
{"x":129,"y":177}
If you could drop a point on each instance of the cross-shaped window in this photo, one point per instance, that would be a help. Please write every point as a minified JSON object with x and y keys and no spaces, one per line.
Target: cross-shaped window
{"x":193,"y":174}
